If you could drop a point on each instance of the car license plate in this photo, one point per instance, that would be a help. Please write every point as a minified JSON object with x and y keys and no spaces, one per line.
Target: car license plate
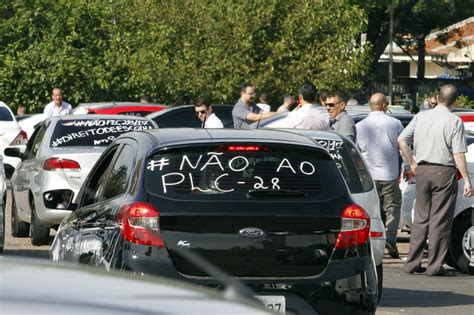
{"x":275,"y":303}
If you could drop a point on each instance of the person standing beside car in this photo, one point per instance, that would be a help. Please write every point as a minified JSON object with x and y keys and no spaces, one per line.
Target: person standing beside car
{"x":340,"y":122}
{"x":245,"y":111}
{"x":307,"y":115}
{"x":205,"y":113}
{"x":57,"y":107}
{"x":377,"y":136}
{"x":439,"y":146}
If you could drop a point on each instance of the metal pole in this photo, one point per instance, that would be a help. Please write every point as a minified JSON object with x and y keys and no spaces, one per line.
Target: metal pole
{"x":390,"y":53}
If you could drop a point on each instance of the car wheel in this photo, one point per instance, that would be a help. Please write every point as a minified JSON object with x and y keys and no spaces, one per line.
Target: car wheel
{"x":379,"y":269}
{"x":460,"y":238}
{"x":19,"y":228}
{"x":39,"y":232}
{"x":2,"y":227}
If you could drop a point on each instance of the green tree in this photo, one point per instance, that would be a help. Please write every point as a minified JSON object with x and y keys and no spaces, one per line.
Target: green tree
{"x":413,"y":19}
{"x":176,"y":50}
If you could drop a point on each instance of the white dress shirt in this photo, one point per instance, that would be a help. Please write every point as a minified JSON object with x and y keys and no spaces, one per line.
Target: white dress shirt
{"x":51,"y":109}
{"x":308,"y":116}
{"x":213,"y":122}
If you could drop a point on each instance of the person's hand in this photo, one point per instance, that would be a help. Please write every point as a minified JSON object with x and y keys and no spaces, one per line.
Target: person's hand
{"x":413,"y":169}
{"x":408,"y":176}
{"x":467,"y":189}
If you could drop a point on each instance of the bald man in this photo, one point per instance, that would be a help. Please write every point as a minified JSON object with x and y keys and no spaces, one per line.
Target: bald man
{"x":377,"y":139}
{"x":439,"y":146}
{"x":57,"y":107}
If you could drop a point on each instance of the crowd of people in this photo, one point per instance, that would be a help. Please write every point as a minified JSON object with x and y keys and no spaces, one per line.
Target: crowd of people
{"x":433,"y":146}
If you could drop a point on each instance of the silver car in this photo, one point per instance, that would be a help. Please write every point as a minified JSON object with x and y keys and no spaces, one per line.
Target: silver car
{"x":55,"y":162}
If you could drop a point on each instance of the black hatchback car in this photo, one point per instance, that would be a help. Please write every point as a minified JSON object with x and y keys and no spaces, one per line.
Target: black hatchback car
{"x":268,"y":207}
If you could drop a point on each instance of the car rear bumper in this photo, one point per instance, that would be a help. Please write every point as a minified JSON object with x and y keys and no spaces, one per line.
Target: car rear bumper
{"x":377,"y":242}
{"x":347,"y":286}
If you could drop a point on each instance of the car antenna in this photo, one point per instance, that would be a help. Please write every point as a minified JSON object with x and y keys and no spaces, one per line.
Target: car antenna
{"x":234,"y":290}
{"x":259,"y":118}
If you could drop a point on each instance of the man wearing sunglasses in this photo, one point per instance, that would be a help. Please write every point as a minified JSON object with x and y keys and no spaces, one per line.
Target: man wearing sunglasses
{"x":204,"y":112}
{"x":341,"y":122}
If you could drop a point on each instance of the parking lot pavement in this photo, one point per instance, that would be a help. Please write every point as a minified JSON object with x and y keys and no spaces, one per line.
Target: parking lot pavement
{"x":419,"y":294}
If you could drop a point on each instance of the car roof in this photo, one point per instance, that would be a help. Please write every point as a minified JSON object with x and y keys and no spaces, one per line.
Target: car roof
{"x":103,"y":292}
{"x":181,"y":107}
{"x":168,"y":136}
{"x":99,"y":116}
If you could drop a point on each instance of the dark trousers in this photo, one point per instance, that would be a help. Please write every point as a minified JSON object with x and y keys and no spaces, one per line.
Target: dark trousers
{"x":436,"y":192}
{"x":390,"y":202}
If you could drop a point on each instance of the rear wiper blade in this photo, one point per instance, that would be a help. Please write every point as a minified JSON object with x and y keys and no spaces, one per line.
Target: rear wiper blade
{"x":275,"y":192}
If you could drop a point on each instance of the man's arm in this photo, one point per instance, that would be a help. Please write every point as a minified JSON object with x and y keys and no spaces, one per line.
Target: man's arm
{"x":460,"y":160}
{"x":255,"y":117}
{"x":403,"y":145}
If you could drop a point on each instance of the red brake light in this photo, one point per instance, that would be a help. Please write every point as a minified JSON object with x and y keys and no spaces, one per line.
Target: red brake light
{"x":140,"y":224}
{"x":244,"y":148}
{"x":355,"y":227}
{"x":21,"y":138}
{"x":56,"y":163}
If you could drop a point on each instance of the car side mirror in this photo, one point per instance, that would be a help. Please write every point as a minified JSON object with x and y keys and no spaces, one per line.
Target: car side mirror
{"x":13,"y":152}
{"x":72,"y":206}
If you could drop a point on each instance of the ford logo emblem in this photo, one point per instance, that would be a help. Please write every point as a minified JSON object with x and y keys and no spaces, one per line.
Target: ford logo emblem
{"x":251,"y":232}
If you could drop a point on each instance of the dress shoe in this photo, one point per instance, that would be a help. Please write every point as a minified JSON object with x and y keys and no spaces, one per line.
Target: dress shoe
{"x":443,"y":273}
{"x":392,"y":250}
{"x":418,"y":270}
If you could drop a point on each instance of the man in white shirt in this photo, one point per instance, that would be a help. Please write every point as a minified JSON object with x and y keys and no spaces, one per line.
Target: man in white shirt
{"x":307,"y":115}
{"x":377,"y":136}
{"x":204,"y":113}
{"x":57,"y":107}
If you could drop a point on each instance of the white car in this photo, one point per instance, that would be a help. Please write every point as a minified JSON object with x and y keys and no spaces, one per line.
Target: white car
{"x":55,"y":162}
{"x":461,"y":248}
{"x":3,"y":202}
{"x":10,"y":134}
{"x":28,"y":124}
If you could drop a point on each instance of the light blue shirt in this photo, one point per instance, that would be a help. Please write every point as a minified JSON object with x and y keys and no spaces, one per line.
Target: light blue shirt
{"x":377,"y":139}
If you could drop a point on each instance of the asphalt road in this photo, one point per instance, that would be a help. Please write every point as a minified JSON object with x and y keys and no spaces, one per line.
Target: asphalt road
{"x":402,"y":293}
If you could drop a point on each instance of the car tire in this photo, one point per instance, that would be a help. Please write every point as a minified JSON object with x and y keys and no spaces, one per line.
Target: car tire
{"x":19,"y":228}
{"x":39,"y":232}
{"x":379,"y":269}
{"x":459,"y":255}
{"x":2,"y":226}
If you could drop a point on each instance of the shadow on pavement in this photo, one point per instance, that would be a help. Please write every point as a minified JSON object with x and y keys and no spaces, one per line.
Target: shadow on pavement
{"x":400,"y":298}
{"x":40,"y":253}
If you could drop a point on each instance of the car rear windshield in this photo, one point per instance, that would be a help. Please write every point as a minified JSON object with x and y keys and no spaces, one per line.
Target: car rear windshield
{"x":5,"y":114}
{"x":93,"y":132}
{"x":350,"y":163}
{"x":244,"y":172}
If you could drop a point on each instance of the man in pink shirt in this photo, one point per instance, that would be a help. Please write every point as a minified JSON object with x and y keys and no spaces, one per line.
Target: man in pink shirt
{"x":307,"y":115}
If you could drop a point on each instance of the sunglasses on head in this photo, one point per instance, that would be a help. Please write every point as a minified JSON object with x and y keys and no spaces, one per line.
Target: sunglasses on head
{"x":202,"y":112}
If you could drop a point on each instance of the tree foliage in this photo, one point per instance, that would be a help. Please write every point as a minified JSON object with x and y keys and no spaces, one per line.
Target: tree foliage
{"x":176,"y":50}
{"x":413,"y":20}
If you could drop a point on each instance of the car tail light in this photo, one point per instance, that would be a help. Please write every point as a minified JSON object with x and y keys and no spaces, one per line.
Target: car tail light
{"x":21,"y":138}
{"x":355,"y":227}
{"x":458,"y":174}
{"x":56,"y":163}
{"x":376,"y":234}
{"x":140,"y":224}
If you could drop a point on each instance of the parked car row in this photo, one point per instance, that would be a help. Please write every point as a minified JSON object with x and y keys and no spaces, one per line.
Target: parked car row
{"x":293,"y":214}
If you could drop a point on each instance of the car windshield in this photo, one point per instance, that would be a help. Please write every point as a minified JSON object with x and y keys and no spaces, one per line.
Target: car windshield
{"x":93,"y":132}
{"x":5,"y":114}
{"x":243,"y":172}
